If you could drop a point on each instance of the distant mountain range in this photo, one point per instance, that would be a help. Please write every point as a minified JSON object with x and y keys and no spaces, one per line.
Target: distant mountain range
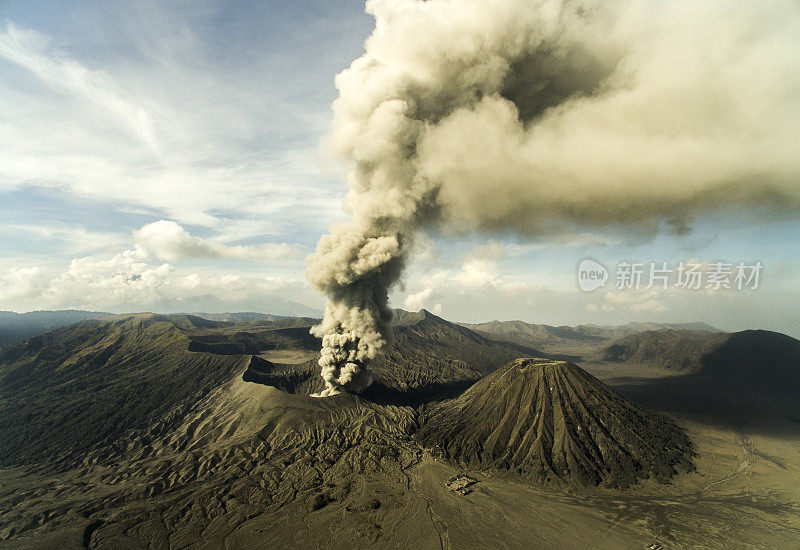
{"x":15,"y":327}
{"x":569,"y":339}
{"x":674,"y":349}
{"x":755,"y":367}
{"x":247,"y":316}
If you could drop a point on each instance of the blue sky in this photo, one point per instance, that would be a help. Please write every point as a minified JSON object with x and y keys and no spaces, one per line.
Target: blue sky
{"x":206,"y":119}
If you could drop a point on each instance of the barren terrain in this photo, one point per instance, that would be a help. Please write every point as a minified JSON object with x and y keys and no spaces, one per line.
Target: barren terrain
{"x":246,"y":465}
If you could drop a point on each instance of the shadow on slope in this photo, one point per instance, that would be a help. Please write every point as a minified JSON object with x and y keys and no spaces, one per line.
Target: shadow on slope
{"x":752,"y":375}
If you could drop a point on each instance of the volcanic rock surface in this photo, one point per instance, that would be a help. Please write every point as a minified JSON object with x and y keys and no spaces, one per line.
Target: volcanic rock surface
{"x":430,"y":359}
{"x":552,"y":421}
{"x":174,"y":431}
{"x":64,"y":391}
{"x":679,"y":350}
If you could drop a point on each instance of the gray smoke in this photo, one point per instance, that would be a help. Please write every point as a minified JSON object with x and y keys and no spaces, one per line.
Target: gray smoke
{"x":539,"y":117}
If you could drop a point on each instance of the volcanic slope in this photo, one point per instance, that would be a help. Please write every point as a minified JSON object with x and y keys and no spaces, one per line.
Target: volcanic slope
{"x":64,"y":391}
{"x":431,"y":359}
{"x":746,"y":356}
{"x":723,"y":375}
{"x":679,"y":350}
{"x":553,"y":422}
{"x":15,"y":327}
{"x":756,"y":359}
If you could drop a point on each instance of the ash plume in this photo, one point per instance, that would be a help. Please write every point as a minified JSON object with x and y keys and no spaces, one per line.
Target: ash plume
{"x":536,"y":118}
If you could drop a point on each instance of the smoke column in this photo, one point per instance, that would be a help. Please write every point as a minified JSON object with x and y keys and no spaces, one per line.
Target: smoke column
{"x":541,"y":117}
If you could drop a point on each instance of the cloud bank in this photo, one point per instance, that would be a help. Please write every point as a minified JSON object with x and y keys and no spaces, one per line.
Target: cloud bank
{"x":169,"y":241}
{"x":139,"y":278}
{"x":545,"y":118}
{"x":131,"y":281}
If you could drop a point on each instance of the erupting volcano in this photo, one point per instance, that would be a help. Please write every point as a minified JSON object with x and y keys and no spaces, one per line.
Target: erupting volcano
{"x":537,"y":119}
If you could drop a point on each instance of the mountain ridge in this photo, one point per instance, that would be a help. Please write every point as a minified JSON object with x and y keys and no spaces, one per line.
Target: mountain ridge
{"x":15,"y":327}
{"x":578,"y":339}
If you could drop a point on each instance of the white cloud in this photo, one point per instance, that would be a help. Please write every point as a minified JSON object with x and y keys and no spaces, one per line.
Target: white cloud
{"x":129,"y":281}
{"x":29,"y":50}
{"x":136,"y":279}
{"x":200,"y":150}
{"x":424,"y":299}
{"x":21,"y":283}
{"x":169,"y":241}
{"x":477,"y":281}
{"x":631,"y":301}
{"x":476,"y":272}
{"x":74,"y":239}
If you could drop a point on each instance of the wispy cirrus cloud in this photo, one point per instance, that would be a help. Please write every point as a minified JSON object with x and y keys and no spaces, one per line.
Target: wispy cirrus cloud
{"x":34,"y":52}
{"x":172,"y":133}
{"x":72,"y":239}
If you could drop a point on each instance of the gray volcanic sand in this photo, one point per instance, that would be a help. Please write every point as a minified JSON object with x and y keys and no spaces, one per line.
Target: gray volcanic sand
{"x":744,"y":494}
{"x":288,"y":356}
{"x":249,"y":466}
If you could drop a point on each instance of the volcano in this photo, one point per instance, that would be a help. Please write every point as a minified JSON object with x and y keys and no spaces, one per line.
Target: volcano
{"x":174,"y":431}
{"x":551,"y":421}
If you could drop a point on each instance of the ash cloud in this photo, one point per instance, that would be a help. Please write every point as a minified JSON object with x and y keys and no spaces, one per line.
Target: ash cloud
{"x":538,"y":118}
